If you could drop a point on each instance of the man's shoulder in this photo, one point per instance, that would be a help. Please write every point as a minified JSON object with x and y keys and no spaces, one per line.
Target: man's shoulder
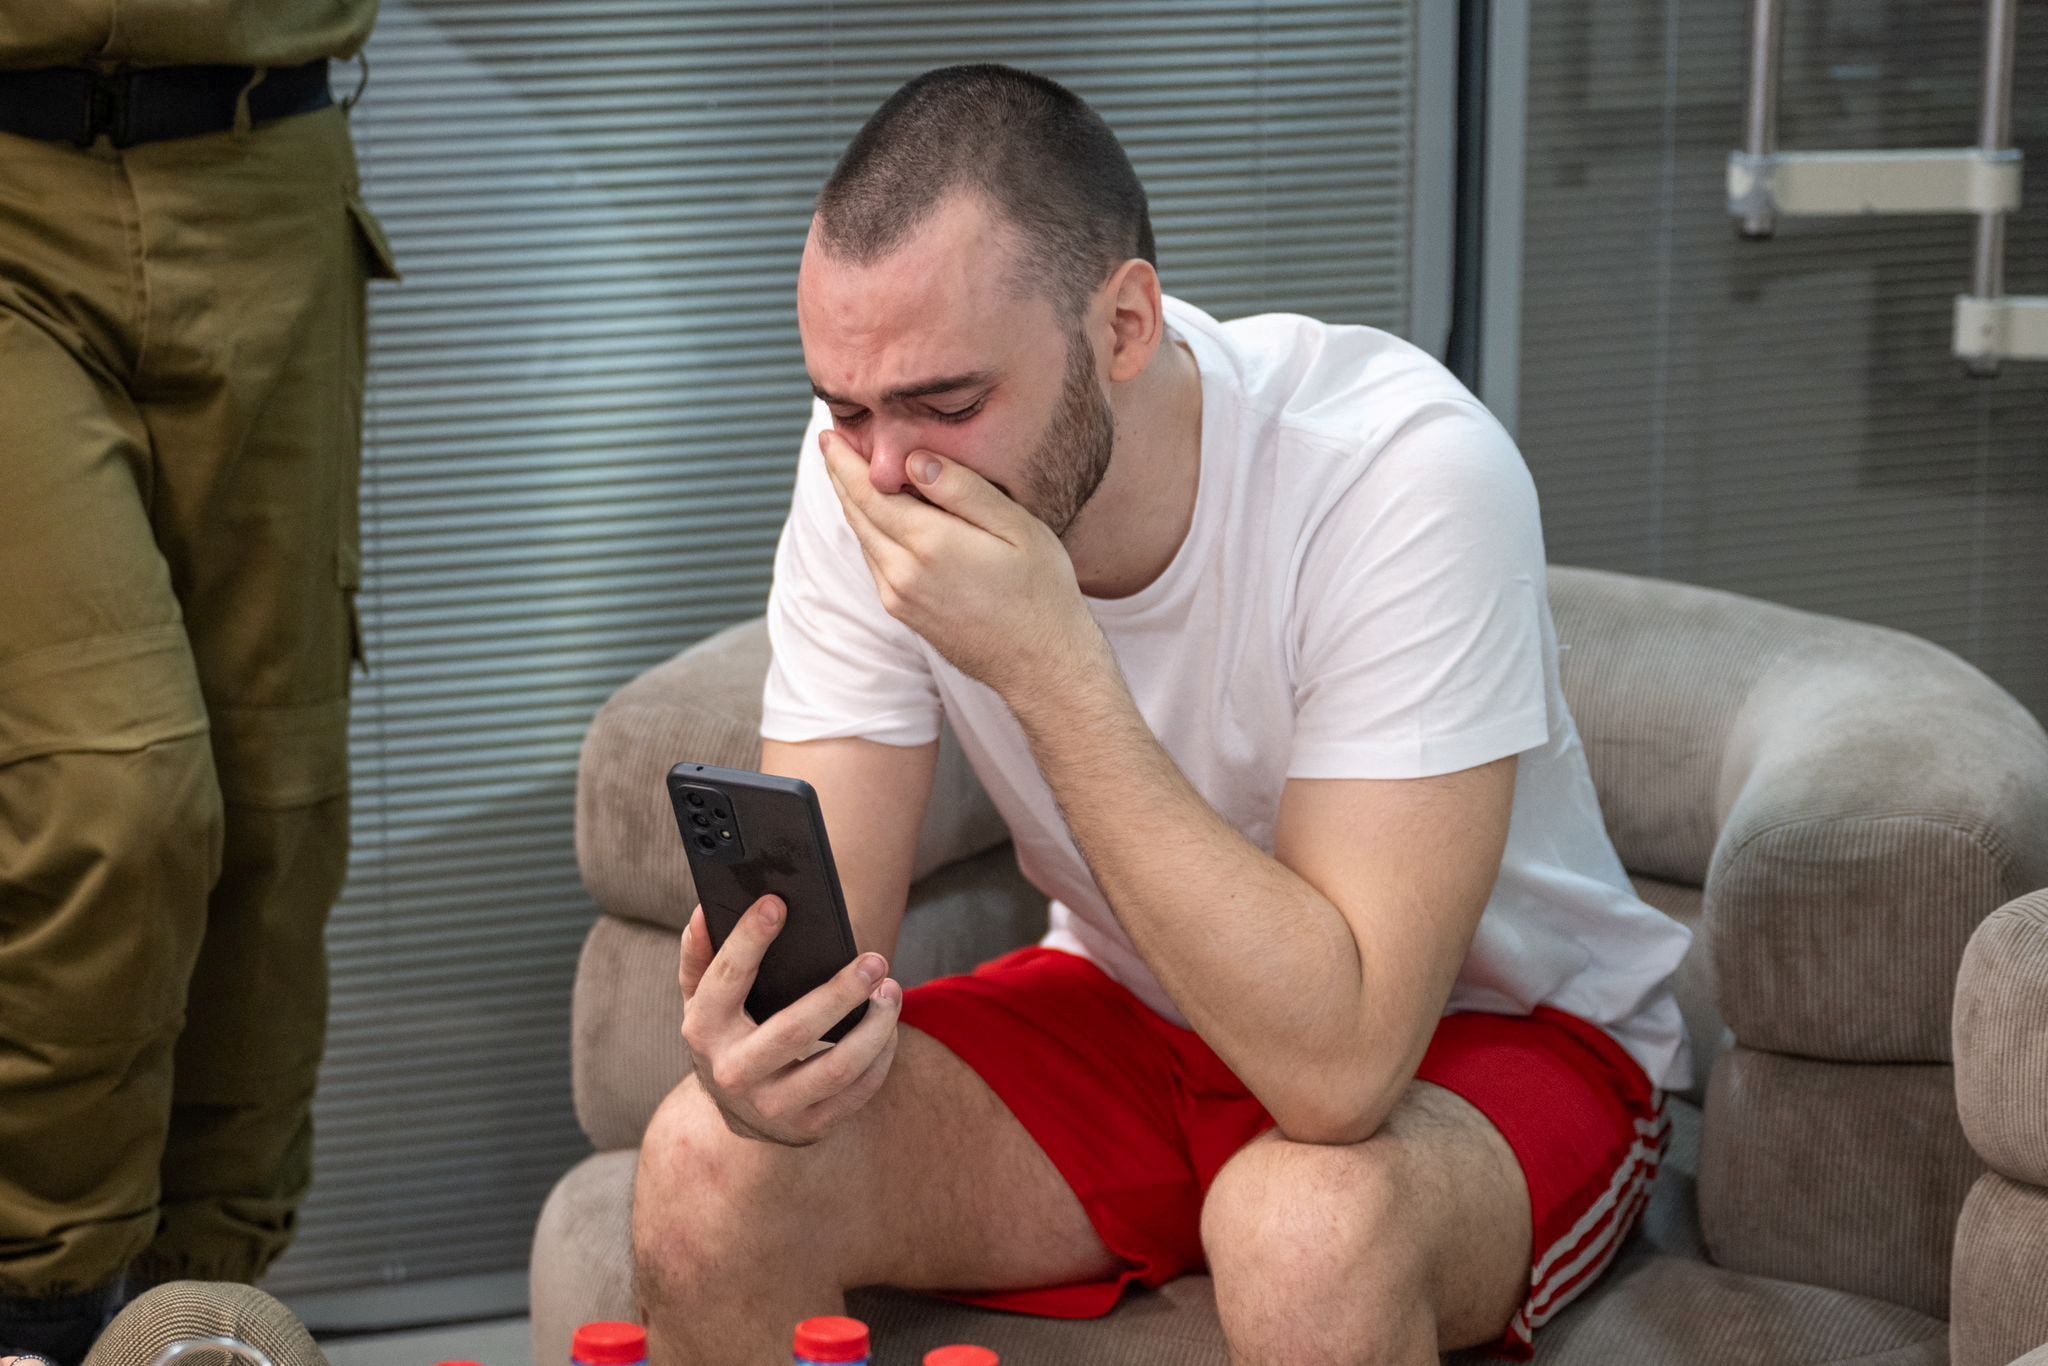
{"x":1346,"y":386}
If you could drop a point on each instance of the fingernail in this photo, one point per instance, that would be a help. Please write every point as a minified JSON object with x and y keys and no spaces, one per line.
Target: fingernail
{"x":924,"y":468}
{"x":870,"y":968}
{"x":771,"y":912}
{"x":888,"y":994}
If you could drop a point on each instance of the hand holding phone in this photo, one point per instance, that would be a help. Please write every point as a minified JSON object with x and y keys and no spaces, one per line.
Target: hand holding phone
{"x":791,"y":968}
{"x":774,"y":1080}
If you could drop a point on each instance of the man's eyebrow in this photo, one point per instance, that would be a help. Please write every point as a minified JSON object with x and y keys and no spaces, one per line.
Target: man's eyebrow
{"x":945,"y":384}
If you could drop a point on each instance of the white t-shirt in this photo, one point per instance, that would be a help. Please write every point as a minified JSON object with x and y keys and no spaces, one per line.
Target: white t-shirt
{"x":1361,"y":595}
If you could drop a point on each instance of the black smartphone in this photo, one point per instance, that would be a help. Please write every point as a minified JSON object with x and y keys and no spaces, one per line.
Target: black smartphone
{"x":750,"y":835}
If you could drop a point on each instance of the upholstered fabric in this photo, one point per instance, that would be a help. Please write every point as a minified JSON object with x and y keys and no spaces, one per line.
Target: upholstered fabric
{"x":2037,"y":1357}
{"x":2001,"y":1032}
{"x":1693,"y":983}
{"x":1660,"y":1310}
{"x":2001,"y":1273}
{"x":627,"y":1047}
{"x":582,"y":1267}
{"x":1826,"y":781}
{"x":180,"y":1311}
{"x":625,"y":1027}
{"x":2001,"y":1254}
{"x":1658,"y":1306}
{"x":704,"y":706}
{"x":1848,"y":1177}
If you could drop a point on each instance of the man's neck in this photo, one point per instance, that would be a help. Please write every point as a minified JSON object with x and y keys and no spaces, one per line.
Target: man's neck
{"x":1135,"y":524}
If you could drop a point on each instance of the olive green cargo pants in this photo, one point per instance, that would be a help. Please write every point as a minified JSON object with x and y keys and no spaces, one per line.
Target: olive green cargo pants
{"x":181,"y":371}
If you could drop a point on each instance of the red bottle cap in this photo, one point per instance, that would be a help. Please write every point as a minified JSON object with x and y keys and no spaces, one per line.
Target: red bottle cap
{"x":609,"y":1344}
{"x":962,"y":1356}
{"x":832,"y":1339}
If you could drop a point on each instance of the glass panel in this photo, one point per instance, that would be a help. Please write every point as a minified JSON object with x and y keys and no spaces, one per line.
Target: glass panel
{"x":1780,"y":418}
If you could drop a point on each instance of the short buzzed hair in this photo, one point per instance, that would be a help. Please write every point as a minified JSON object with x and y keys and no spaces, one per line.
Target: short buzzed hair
{"x":1047,"y":162}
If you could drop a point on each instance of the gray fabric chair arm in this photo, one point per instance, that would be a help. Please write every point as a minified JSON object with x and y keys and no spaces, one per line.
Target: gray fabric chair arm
{"x":1999,"y":1304}
{"x":2001,"y":1041}
{"x":1881,"y":804}
{"x":1853,"y":800}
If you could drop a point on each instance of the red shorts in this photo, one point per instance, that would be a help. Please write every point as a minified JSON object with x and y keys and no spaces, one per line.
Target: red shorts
{"x":1139,"y":1115}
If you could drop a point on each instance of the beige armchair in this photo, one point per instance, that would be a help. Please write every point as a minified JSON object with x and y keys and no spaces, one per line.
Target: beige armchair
{"x":1836,"y":809}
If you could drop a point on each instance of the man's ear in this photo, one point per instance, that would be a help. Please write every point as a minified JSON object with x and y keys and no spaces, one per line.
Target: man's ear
{"x":1137,"y":319}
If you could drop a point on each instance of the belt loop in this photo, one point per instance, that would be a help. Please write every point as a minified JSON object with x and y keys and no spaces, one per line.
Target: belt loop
{"x":244,"y":120}
{"x":361,"y":59}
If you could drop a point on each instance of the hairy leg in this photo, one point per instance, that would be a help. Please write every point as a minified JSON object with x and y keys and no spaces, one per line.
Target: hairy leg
{"x":934,"y":1185}
{"x":1413,"y":1242}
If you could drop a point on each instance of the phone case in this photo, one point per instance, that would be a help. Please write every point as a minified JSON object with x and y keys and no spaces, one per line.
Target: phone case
{"x":749,"y":835}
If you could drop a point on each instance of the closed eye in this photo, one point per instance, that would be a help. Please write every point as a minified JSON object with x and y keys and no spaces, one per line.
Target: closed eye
{"x":951,"y":415}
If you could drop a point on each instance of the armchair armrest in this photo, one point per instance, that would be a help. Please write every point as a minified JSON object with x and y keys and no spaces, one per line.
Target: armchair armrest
{"x":1851,"y":799}
{"x":1879,"y":797}
{"x":2001,"y":1048}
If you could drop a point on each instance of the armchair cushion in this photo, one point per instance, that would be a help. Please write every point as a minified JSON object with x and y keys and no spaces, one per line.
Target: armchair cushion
{"x":1848,"y":1177}
{"x":1853,"y":800}
{"x":2000,"y":1306}
{"x":2001,"y":1033}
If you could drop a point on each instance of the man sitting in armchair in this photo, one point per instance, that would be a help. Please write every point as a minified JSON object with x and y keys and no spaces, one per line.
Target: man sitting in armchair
{"x":1244,"y":629}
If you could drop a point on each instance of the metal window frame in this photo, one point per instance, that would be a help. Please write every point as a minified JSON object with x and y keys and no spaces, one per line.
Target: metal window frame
{"x":1503,"y":180}
{"x":1433,"y":184}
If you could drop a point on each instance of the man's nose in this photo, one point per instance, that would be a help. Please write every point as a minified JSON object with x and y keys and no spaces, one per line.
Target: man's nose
{"x":887,"y":453}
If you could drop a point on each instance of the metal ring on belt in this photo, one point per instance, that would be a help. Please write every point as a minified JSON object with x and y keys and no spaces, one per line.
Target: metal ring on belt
{"x":134,"y":105}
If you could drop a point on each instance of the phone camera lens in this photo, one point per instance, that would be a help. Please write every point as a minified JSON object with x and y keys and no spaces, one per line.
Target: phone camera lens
{"x":695,"y":799}
{"x":705,"y":842}
{"x":700,"y":820}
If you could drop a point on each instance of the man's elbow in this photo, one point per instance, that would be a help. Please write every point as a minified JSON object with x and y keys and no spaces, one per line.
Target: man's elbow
{"x":1332,"y":1112}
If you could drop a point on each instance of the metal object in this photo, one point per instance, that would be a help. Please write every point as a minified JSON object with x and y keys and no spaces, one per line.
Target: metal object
{"x":186,"y":1347}
{"x":1760,"y":118}
{"x":1765,"y":184}
{"x":1994,"y":137}
{"x":1987,"y":268}
{"x":1819,"y":184}
{"x":1990,"y":330}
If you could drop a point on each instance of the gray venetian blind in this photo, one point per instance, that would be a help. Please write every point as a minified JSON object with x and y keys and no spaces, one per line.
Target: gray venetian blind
{"x":1781,"y":418}
{"x":583,"y":411}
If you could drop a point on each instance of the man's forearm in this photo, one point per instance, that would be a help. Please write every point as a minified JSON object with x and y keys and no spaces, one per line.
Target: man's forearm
{"x":1263,"y":965}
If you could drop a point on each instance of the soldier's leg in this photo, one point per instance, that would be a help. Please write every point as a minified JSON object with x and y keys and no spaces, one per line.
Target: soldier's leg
{"x":253,"y":400}
{"x":110,"y":819}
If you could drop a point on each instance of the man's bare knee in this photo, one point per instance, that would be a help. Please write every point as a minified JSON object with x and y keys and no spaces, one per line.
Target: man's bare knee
{"x":697,"y":1196}
{"x":1314,"y":1258}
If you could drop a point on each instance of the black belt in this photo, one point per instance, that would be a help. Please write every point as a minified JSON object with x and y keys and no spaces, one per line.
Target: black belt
{"x":149,"y":104}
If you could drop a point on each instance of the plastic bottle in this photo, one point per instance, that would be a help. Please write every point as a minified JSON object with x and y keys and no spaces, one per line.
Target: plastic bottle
{"x":961,"y":1354}
{"x":830,"y":1341}
{"x":609,"y":1344}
